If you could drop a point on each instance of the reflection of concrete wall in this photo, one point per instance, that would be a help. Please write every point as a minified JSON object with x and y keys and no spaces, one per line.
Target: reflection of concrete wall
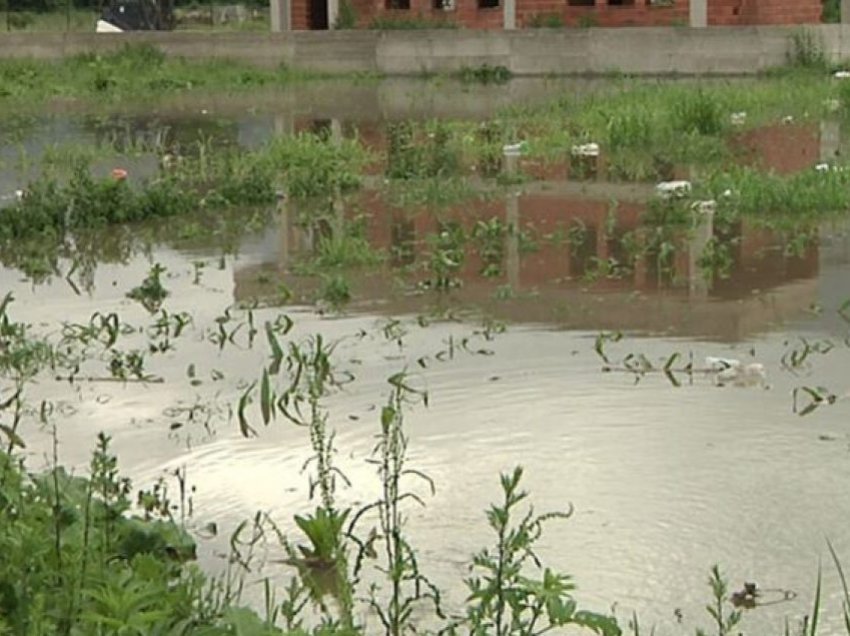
{"x":652,"y":50}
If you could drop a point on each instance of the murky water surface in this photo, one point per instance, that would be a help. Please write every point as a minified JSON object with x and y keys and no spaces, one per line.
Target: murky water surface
{"x":665,"y":480}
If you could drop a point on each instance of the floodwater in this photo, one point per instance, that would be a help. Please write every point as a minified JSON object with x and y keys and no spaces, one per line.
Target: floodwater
{"x":666,"y":479}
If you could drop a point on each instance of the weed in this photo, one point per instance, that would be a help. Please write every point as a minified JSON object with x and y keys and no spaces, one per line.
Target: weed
{"x":485,"y":74}
{"x":806,"y":50}
{"x":725,"y":622}
{"x":546,"y":21}
{"x":151,"y":293}
{"x":347,"y":17}
{"x":504,"y":599}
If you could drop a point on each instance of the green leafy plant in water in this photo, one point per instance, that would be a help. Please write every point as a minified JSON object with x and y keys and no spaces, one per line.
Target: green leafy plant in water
{"x":323,"y":564}
{"x":489,"y":239}
{"x":407,"y":585}
{"x":716,"y":259}
{"x":725,"y":622}
{"x":447,"y":255}
{"x":77,"y":562}
{"x":22,"y":356}
{"x":503,"y":598}
{"x":335,"y":291}
{"x":151,"y":293}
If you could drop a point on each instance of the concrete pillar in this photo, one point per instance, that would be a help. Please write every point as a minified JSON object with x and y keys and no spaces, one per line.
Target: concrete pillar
{"x":284,"y":125}
{"x":333,"y":13}
{"x":703,"y":229}
{"x":699,"y":13}
{"x":509,"y":14}
{"x":830,"y":139}
{"x":281,"y":15}
{"x":284,"y":228}
{"x":510,"y":165}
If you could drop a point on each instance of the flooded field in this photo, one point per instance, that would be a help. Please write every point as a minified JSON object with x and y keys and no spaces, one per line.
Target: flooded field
{"x":558,"y":311}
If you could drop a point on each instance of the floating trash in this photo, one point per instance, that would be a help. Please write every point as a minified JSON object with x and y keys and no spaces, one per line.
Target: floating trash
{"x":513,"y":150}
{"x":738,"y":119}
{"x":732,"y":371}
{"x":586,"y":150}
{"x":822,"y":167}
{"x":705,"y":207}
{"x":788,"y":119}
{"x":119,"y":174}
{"x":841,"y":75}
{"x":670,"y":189}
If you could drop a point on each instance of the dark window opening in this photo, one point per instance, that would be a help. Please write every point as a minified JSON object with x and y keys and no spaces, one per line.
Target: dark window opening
{"x":403,"y":5}
{"x":488,"y":4}
{"x":581,"y":3}
{"x":621,"y":3}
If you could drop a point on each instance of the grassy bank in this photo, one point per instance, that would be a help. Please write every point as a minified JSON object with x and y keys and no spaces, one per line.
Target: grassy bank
{"x":134,"y":73}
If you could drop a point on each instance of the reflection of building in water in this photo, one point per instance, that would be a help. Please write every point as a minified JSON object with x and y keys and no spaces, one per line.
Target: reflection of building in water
{"x":580,"y":254}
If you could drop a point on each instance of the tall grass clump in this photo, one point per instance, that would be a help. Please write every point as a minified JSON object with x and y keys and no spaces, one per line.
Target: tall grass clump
{"x":806,"y":50}
{"x":314,"y":167}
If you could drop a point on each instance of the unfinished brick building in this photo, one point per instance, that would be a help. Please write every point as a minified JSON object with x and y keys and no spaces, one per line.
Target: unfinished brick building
{"x":489,"y":14}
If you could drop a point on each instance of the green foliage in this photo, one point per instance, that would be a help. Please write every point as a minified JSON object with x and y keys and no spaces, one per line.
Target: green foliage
{"x":485,"y":74}
{"x":315,"y":167}
{"x":725,"y":623}
{"x":422,"y":154}
{"x":447,"y":255}
{"x":133,"y":72}
{"x":700,"y":112}
{"x":395,"y":23}
{"x":151,"y":293}
{"x":503,"y":598}
{"x":335,"y":291}
{"x":831,"y":11}
{"x":546,"y":21}
{"x":347,"y":17}
{"x":806,"y":50}
{"x":76,"y":562}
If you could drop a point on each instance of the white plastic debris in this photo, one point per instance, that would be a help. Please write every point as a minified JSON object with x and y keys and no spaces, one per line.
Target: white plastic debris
{"x":706,"y":207}
{"x":670,"y":189}
{"x":513,"y":150}
{"x":19,"y":195}
{"x":732,"y":371}
{"x":822,"y":167}
{"x":738,"y":119}
{"x":841,"y":75}
{"x":788,"y":119}
{"x":720,"y":364}
{"x":586,"y":150}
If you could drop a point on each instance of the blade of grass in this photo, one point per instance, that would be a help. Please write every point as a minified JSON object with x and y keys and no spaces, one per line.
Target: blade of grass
{"x":846,"y":603}
{"x":816,"y":609}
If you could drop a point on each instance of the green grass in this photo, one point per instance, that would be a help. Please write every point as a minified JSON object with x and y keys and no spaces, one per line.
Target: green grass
{"x":130,"y":74}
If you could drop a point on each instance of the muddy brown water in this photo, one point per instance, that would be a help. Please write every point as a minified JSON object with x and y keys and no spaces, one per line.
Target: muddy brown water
{"x":665,"y":481}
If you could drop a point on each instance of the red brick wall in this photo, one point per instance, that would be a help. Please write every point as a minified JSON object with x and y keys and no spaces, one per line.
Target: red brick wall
{"x":640,"y":13}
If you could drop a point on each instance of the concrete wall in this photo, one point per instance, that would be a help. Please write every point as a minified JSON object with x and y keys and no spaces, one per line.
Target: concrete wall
{"x":645,"y":50}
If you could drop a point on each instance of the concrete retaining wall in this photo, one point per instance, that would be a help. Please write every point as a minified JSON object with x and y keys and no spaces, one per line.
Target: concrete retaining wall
{"x":652,"y":50}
